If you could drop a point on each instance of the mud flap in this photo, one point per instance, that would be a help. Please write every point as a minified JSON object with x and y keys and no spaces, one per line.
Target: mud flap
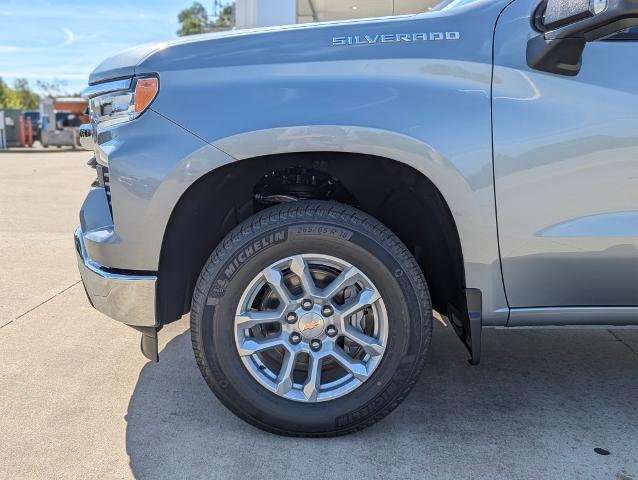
{"x":149,"y":343}
{"x":468,"y":324}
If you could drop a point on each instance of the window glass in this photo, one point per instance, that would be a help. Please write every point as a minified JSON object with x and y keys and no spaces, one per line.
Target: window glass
{"x":449,"y":4}
{"x":628,"y":34}
{"x":331,"y":10}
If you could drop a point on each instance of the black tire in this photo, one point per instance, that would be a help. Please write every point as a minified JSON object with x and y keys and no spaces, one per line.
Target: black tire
{"x":323,"y":228}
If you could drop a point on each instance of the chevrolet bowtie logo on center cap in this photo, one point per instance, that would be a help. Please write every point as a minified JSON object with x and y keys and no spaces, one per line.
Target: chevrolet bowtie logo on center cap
{"x":311,"y":325}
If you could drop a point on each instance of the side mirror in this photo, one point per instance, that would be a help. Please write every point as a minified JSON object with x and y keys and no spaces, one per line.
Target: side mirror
{"x":567,"y":25}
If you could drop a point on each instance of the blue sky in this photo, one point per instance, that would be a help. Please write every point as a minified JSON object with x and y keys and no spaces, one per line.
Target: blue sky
{"x":66,"y":39}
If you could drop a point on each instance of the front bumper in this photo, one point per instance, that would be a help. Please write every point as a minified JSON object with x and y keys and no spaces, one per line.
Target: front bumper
{"x":129,"y":299}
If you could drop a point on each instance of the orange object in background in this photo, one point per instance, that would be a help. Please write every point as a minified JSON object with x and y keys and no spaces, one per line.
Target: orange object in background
{"x":71,"y":104}
{"x":21,"y":128}
{"x":78,"y":106}
{"x":29,"y":132}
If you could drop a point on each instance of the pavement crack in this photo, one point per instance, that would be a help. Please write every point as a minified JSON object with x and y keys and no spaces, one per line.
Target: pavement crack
{"x":618,"y":338}
{"x":42,"y":303}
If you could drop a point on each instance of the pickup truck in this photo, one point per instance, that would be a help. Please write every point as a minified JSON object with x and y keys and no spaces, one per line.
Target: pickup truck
{"x":310,"y":194}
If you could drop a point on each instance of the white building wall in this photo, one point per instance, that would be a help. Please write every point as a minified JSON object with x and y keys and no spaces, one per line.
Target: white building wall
{"x":265,"y":13}
{"x":3,"y":137}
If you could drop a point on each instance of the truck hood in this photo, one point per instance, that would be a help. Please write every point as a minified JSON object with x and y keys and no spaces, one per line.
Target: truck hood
{"x":302,"y":43}
{"x":122,"y":64}
{"x":127,"y":62}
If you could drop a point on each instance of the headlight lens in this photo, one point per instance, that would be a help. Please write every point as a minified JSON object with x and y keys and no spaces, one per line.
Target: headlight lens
{"x":124,"y":105}
{"x":112,"y":108}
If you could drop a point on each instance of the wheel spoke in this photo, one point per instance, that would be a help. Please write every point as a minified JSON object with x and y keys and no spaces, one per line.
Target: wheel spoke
{"x":249,"y":346}
{"x":346,"y":278}
{"x":299,"y":267}
{"x":284,"y":379}
{"x":355,"y":367}
{"x":274,"y":316}
{"x":313,"y":382}
{"x":275,"y":280}
{"x":252,"y":319}
{"x":366,"y":297}
{"x":369,"y":344}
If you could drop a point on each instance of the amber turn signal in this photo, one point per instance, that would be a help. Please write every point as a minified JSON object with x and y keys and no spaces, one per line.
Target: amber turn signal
{"x":145,"y":91}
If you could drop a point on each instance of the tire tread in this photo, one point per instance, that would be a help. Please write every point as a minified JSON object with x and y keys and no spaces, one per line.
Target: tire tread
{"x":313,"y":210}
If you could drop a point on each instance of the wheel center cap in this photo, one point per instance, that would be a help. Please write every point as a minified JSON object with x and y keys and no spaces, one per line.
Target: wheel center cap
{"x":311,"y":325}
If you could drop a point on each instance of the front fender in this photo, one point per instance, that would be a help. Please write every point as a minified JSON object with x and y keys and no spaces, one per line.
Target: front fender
{"x":425,"y":104}
{"x":470,"y":199}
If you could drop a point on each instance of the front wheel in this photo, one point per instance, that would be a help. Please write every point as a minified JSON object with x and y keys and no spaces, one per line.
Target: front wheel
{"x":311,"y":318}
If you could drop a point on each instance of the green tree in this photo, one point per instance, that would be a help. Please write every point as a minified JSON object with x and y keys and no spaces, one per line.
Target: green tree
{"x":226,"y":17}
{"x":28,"y":99}
{"x":195,"y":19}
{"x":9,"y":98}
{"x":52,"y":89}
{"x":4,"y":94}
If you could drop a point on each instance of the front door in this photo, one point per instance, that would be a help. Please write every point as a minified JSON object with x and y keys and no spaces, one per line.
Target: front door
{"x":566,"y":171}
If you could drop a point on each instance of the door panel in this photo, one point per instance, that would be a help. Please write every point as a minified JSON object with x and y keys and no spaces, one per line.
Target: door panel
{"x":566,"y":171}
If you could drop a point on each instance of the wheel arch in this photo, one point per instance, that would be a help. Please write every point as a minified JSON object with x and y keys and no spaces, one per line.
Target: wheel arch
{"x":230,"y":189}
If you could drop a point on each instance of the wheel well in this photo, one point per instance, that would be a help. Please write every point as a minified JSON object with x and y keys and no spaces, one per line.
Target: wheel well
{"x":396,"y":194}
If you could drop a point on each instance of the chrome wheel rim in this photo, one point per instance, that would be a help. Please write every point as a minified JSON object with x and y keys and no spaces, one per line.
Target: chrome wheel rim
{"x":311,"y":328}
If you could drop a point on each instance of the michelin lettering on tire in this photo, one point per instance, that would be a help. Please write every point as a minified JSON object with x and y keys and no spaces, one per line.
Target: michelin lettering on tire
{"x":245,"y":254}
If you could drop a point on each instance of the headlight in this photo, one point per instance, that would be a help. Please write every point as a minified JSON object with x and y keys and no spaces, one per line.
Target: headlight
{"x":121,"y":101}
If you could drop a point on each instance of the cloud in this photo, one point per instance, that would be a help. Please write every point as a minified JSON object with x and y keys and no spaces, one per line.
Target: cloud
{"x":83,"y":15}
{"x":41,"y":75}
{"x":70,"y":37}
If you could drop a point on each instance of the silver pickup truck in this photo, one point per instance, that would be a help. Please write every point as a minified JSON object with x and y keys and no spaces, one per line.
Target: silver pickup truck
{"x":311,"y":193}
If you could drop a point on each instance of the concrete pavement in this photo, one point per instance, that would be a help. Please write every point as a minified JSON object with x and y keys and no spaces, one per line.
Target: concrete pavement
{"x":78,"y":400}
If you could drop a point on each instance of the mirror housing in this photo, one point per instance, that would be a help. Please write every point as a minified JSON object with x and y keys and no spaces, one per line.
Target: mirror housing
{"x":567,"y":26}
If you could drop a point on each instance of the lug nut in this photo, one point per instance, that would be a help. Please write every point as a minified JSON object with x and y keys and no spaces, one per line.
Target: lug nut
{"x":306,"y":304}
{"x":315,"y":345}
{"x":291,"y":317}
{"x":295,"y":338}
{"x":331,"y":331}
{"x":327,"y":311}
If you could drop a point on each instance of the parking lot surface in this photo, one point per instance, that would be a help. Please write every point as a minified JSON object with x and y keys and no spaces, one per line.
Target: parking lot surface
{"x":78,"y":400}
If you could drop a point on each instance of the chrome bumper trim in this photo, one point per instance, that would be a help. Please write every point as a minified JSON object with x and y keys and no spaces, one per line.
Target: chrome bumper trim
{"x":87,"y":139}
{"x":106,"y":87}
{"x":129,"y":299}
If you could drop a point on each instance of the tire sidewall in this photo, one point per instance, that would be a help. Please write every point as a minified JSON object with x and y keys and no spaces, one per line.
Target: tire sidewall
{"x":232,"y":269}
